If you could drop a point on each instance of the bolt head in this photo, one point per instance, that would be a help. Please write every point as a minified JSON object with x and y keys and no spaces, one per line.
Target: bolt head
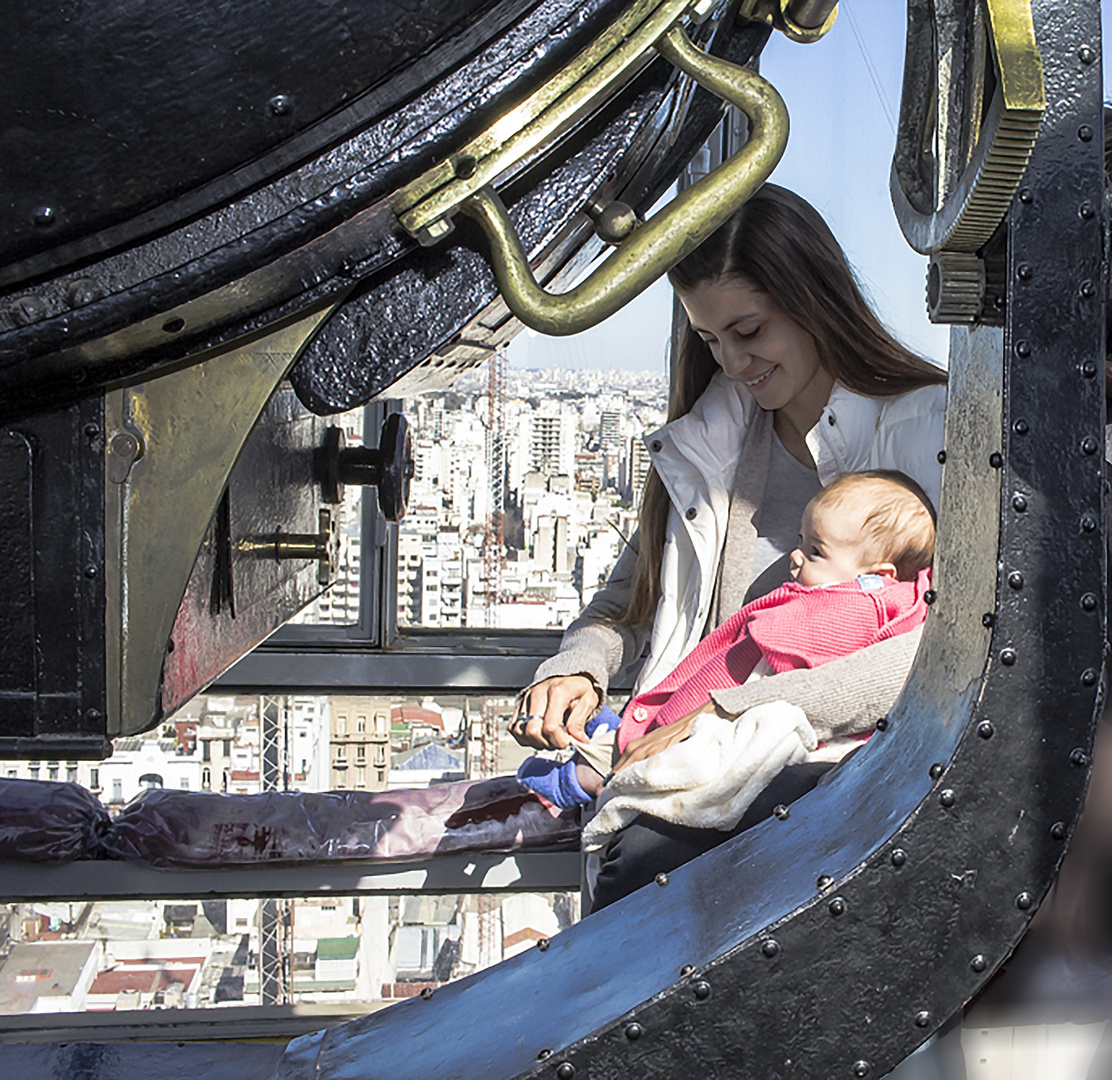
{"x":996,"y":460}
{"x":978,"y":963}
{"x":770,"y":948}
{"x":837,"y":906}
{"x":543,"y":944}
{"x":661,"y":879}
{"x":427,"y":993}
{"x":633,"y":1032}
{"x":1024,"y":272}
{"x":1019,"y":503}
{"x":936,"y":770}
{"x":1079,"y":758}
{"x":1059,"y":830}
{"x":565,"y":1071}
{"x":780,"y":812}
{"x":1007,"y":657}
{"x":1085,"y":133}
{"x":930,"y":596}
{"x":1015,"y":579}
{"x":861,"y":1068}
{"x":947,"y":798}
{"x":1024,"y":901}
{"x":43,"y":217}
{"x":1086,"y":54}
{"x":899,"y":857}
{"x":1088,"y":521}
{"x":1023,"y":348}
{"x":280,"y":105}
{"x":922,"y":1018}
{"x":1086,"y":210}
{"x":941,"y":455}
{"x":985,"y":729}
{"x":1089,"y":676}
{"x":1089,"y":601}
{"x":824,"y":881}
{"x":701,"y":990}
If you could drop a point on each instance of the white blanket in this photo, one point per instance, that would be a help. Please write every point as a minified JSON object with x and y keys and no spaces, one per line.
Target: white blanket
{"x":708,"y":780}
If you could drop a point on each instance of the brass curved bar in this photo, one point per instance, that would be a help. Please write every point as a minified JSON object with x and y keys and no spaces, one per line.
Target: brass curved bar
{"x":665,"y":239}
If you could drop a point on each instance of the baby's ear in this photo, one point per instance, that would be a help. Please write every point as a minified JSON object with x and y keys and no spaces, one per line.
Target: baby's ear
{"x":885,"y":569}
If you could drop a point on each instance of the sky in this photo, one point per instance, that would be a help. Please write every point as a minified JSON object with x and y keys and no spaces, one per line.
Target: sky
{"x":843,"y":99}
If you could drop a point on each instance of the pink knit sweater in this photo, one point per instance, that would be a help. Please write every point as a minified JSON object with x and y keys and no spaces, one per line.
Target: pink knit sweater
{"x":794,"y":626}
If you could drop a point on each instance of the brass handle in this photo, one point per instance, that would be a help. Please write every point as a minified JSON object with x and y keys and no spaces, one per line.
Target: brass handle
{"x":666,"y":238}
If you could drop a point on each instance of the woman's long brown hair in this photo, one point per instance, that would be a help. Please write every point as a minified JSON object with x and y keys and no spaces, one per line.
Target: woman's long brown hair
{"x":780,"y":244}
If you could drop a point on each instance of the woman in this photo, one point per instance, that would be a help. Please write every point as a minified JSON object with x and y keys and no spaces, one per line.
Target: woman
{"x":786,"y":379}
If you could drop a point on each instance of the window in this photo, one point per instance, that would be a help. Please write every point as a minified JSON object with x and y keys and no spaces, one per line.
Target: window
{"x":341,"y":725}
{"x":71,"y":774}
{"x":361,"y":776}
{"x":361,"y":724}
{"x":206,"y":750}
{"x":33,"y":771}
{"x":52,"y":772}
{"x":360,"y":752}
{"x":117,"y":790}
{"x":94,"y":779}
{"x":183,"y":784}
{"x":206,"y":779}
{"x":13,"y":773}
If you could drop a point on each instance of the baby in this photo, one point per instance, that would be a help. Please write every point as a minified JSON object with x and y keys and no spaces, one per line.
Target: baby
{"x":859,"y":576}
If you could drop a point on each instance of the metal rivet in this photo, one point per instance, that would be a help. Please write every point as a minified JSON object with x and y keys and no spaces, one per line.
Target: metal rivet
{"x":543,"y":944}
{"x":27,"y":310}
{"x":1059,"y":830}
{"x":1024,"y":901}
{"x":544,"y":1055}
{"x":899,"y":857}
{"x":1021,"y":427}
{"x":633,"y":1032}
{"x":687,"y":969}
{"x":1079,"y":758}
{"x":922,"y":1018}
{"x":1086,"y":210}
{"x":43,"y":216}
{"x":1089,"y":601}
{"x":996,"y":460}
{"x":941,"y":455}
{"x":985,"y":729}
{"x":90,"y":571}
{"x":1015,"y":579}
{"x":281,"y":105}
{"x":1086,"y":54}
{"x":1023,"y":348}
{"x":173,"y":326}
{"x":92,"y":431}
{"x":701,"y":990}
{"x":1088,"y":521}
{"x":661,"y":879}
{"x":1024,"y":272}
{"x":1025,"y":195}
{"x":770,"y":948}
{"x":1019,"y":503}
{"x":824,"y":881}
{"x":988,"y":619}
{"x":465,"y":166}
{"x":1089,"y":676}
{"x":1089,"y":445}
{"x":936,"y":770}
{"x":1088,"y":369}
{"x":1085,"y":133}
{"x":861,"y":1068}
{"x":1086,"y":289}
{"x":978,"y":963}
{"x":690,"y":513}
{"x":947,"y":797}
{"x":77,"y":376}
{"x":656,"y":446}
{"x":780,"y":811}
{"x":930,"y":596}
{"x":1007,"y":657}
{"x":92,"y":714}
{"x":837,"y":906}
{"x":82,"y":292}
{"x":565,"y":1071}
{"x":427,"y":993}
{"x":882,"y":724}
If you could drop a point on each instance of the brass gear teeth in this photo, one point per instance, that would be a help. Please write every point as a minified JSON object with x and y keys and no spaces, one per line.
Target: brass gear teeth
{"x":955,"y":287}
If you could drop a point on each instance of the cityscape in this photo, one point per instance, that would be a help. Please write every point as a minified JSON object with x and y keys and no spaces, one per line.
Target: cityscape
{"x":564,"y":462}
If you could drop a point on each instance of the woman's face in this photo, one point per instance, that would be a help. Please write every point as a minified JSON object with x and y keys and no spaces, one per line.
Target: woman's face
{"x":756,"y":344}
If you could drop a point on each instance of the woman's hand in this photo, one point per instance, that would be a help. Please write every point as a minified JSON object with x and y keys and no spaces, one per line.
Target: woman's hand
{"x":555,"y":712}
{"x":661,"y":738}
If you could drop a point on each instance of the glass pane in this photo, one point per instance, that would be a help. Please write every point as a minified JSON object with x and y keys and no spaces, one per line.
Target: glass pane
{"x":525,"y":492}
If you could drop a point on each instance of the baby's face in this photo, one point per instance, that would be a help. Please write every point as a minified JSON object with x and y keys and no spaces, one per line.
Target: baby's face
{"x":831,"y":547}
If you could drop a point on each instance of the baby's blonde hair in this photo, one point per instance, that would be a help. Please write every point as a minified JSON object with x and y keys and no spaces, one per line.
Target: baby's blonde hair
{"x":899,"y":525}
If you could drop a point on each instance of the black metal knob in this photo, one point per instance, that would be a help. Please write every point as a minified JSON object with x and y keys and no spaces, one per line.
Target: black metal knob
{"x":389,"y":468}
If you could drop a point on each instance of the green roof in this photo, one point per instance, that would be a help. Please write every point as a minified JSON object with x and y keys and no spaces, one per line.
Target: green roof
{"x":337,"y":948}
